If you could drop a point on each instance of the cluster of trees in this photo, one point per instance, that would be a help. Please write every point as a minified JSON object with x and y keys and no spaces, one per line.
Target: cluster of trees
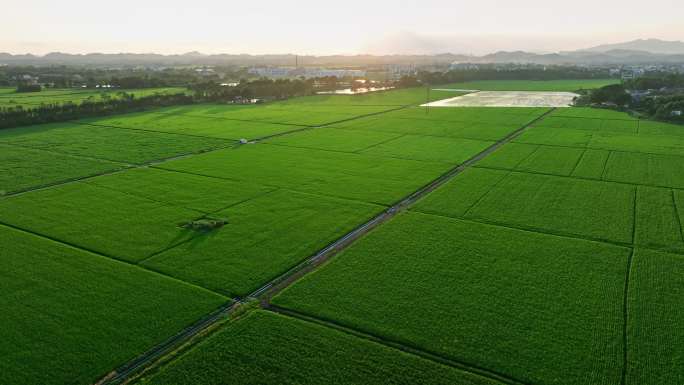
{"x":124,"y":102}
{"x":666,"y":103}
{"x":29,"y":88}
{"x":59,"y":112}
{"x":261,"y":89}
{"x":656,"y":81}
{"x":614,"y":95}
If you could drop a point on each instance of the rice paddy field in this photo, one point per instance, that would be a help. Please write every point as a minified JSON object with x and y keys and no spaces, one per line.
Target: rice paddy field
{"x":9,"y":98}
{"x":538,"y":246}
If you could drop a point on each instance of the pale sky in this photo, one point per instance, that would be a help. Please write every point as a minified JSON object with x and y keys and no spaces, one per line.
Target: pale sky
{"x":327,"y":27}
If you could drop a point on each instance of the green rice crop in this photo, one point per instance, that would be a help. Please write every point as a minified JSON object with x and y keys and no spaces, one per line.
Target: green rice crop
{"x":24,"y":168}
{"x":108,"y":143}
{"x":354,"y":176}
{"x":189,"y":191}
{"x":555,"y":136}
{"x":459,"y":195}
{"x":597,"y":113}
{"x":70,"y":317}
{"x":655,"y":338}
{"x":581,"y":208}
{"x":430,"y":148}
{"x":654,"y":144}
{"x":334,"y":139}
{"x":195,"y":125}
{"x":538,"y":308}
{"x":264,"y":237}
{"x":592,"y":164}
{"x":106,"y":221}
{"x":509,"y":156}
{"x":266,"y":348}
{"x":648,"y":169}
{"x":29,"y":100}
{"x":657,"y":221}
{"x":552,"y":160}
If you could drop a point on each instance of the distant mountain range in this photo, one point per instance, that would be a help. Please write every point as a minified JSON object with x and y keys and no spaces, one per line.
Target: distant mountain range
{"x":638,"y":52}
{"x":655,"y":46}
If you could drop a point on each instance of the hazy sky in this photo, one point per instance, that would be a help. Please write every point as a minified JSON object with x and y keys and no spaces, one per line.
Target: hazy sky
{"x":326,"y":27}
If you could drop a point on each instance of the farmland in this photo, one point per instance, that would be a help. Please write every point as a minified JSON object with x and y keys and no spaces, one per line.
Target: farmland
{"x":536,"y":245}
{"x":9,"y":98}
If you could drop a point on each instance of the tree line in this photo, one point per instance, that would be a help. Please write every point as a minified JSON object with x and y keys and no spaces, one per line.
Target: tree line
{"x":243,"y":92}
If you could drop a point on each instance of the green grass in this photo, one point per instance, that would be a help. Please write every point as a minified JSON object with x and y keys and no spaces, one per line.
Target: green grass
{"x":334,"y":139}
{"x":108,"y":143}
{"x":533,"y":85}
{"x":24,"y":168}
{"x":575,"y":207}
{"x":264,"y":238}
{"x":291,"y":351}
{"x":654,"y":144}
{"x":655,"y":337}
{"x":648,"y":169}
{"x":106,"y":221}
{"x":353,"y":176}
{"x":430,"y":148}
{"x":70,"y":317}
{"x":538,"y":308}
{"x":657,"y":221}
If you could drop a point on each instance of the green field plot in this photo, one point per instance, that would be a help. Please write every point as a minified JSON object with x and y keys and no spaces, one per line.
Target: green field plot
{"x":592,"y":164}
{"x":430,"y":148}
{"x":311,"y":114}
{"x":189,"y":191}
{"x":537,"y":308}
{"x":353,"y":176}
{"x":658,"y":128}
{"x":574,"y":123}
{"x":555,"y":136}
{"x":648,"y":169}
{"x":596,"y":113}
{"x":334,"y":139}
{"x":441,"y":128}
{"x":655,"y":336}
{"x":457,"y":197}
{"x":266,"y":348}
{"x":73,"y":95}
{"x":194,"y":125}
{"x":114,"y":144}
{"x":517,"y":116}
{"x":109,"y":222}
{"x":552,"y":160}
{"x":263,"y":238}
{"x":533,"y":85}
{"x":509,"y":156}
{"x":576,"y":207}
{"x":70,"y":317}
{"x":23,"y":168}
{"x":657,"y":220}
{"x":653,"y":144}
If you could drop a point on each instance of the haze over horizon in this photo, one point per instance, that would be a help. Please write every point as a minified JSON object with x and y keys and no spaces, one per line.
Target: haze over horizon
{"x":350,"y":27}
